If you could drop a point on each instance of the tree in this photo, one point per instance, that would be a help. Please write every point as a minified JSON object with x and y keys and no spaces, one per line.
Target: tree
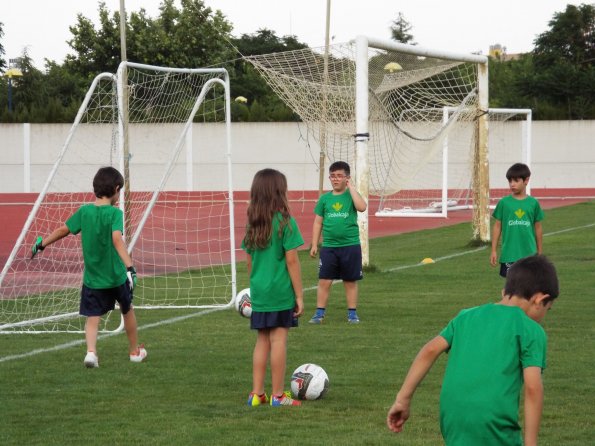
{"x":247,"y":82}
{"x":2,"y":52}
{"x":564,"y":64}
{"x":400,"y":30}
{"x":192,"y":36}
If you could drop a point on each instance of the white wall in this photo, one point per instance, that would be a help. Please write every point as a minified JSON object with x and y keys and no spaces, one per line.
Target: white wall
{"x":563,"y":155}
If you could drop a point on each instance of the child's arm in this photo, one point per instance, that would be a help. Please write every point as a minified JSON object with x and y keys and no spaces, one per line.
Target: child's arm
{"x":423,"y":362}
{"x":358,"y":201}
{"x":533,"y":404}
{"x":316,"y":231}
{"x":120,"y":246}
{"x":295,"y":273}
{"x":539,"y":237}
{"x":41,"y":244}
{"x":496,"y":230}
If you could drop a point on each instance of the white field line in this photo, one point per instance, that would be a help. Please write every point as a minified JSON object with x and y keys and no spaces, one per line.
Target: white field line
{"x":481,"y":248}
{"x":212,"y":310}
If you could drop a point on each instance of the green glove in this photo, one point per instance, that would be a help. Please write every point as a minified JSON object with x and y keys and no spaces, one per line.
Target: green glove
{"x":131,"y":273}
{"x":37,"y":247}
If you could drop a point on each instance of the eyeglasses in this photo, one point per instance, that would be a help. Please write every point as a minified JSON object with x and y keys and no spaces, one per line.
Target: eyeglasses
{"x":337,"y":177}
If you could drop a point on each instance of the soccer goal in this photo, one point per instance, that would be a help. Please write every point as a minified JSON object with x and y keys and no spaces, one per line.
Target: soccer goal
{"x":444,"y":182}
{"x":379,"y":105}
{"x":155,"y":125}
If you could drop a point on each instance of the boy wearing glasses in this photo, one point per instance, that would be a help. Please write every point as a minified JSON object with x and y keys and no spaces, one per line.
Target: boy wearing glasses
{"x":341,"y":253}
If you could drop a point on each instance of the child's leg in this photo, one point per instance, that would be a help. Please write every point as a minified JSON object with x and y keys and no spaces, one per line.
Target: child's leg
{"x":91,"y":329}
{"x":260,"y":357}
{"x":323,"y":291}
{"x":278,"y":339}
{"x":351,"y":293}
{"x":131,"y":331}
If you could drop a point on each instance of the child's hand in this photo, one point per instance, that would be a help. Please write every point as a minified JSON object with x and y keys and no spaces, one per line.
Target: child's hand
{"x":313,"y":251}
{"x":298,"y":310}
{"x":37,"y":247}
{"x":397,"y":415}
{"x":494,"y":258}
{"x":131,"y":274}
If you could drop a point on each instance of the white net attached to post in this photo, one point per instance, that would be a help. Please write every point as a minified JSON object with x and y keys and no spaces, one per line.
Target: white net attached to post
{"x":408,"y":128}
{"x":178,"y":210}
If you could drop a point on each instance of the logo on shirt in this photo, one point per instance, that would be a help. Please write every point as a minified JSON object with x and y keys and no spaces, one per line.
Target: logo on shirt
{"x":519,"y":213}
{"x":337,"y":206}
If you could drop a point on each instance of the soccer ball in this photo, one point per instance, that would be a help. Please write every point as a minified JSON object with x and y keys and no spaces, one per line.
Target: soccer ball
{"x":243,"y":303}
{"x":309,"y":382}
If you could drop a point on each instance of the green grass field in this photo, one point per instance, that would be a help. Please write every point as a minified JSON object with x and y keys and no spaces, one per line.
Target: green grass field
{"x":194,"y":385}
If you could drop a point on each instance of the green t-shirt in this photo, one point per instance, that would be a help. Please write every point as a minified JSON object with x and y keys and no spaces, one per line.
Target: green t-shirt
{"x":103,"y":266}
{"x":270,"y":285}
{"x":518,"y":218}
{"x":339,"y":220}
{"x":490,"y":345}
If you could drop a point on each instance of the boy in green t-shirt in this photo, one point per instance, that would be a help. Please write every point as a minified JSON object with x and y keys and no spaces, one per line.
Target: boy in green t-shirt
{"x":341,"y":253}
{"x":109,"y":275}
{"x":518,"y":218}
{"x":493,"y":351}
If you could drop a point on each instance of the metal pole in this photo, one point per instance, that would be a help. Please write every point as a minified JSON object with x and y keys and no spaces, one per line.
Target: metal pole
{"x":9,"y":94}
{"x":125,"y":148}
{"x":324,"y":100}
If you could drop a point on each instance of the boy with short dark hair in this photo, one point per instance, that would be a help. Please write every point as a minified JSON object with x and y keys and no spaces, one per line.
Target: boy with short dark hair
{"x":109,"y":275}
{"x":493,"y":351}
{"x":518,"y":218}
{"x":341,"y":252}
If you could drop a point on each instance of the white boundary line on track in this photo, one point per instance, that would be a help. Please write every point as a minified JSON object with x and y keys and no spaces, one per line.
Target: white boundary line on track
{"x":202,"y":313}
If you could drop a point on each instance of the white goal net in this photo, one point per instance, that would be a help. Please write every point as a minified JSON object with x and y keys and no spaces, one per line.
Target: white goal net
{"x":407,"y":89}
{"x":178,"y":203}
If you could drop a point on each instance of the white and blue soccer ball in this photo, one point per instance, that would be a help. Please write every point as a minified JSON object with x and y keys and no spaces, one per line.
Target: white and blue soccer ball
{"x":309,"y":382}
{"x":243,"y":303}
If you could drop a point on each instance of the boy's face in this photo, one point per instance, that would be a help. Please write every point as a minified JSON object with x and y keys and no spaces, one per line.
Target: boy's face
{"x":538,"y":308}
{"x":518,"y":185}
{"x":339,"y":180}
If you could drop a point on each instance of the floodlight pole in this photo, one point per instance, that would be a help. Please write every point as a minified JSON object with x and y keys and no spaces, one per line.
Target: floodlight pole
{"x":125,"y":195}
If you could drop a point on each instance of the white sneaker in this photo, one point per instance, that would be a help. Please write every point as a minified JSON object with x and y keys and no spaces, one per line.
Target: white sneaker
{"x":91,"y":360}
{"x":142,"y":354}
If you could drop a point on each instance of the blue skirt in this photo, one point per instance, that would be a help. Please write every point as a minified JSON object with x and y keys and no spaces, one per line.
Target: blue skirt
{"x":272,"y":319}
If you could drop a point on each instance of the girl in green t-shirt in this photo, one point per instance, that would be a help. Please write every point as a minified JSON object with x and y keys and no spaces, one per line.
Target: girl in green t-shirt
{"x":271,"y":241}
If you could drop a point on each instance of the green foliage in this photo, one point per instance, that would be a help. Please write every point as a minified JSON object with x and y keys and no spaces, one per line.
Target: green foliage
{"x":193,"y":387}
{"x":557,"y":80}
{"x":399,"y":30}
{"x":2,"y":52}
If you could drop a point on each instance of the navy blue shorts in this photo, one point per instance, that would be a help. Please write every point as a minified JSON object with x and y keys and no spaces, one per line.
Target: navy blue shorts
{"x":97,"y":302}
{"x":272,"y":319}
{"x":504,"y":267}
{"x":343,"y":263}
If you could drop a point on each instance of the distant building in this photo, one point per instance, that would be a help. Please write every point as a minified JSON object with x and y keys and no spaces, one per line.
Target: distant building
{"x":498,"y":51}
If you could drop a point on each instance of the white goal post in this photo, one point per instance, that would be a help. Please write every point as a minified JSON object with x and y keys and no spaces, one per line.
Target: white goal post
{"x":178,"y":202}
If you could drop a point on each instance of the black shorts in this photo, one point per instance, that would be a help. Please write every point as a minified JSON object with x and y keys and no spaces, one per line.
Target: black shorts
{"x":343,"y":263}
{"x":504,"y":267}
{"x":97,"y":302}
{"x":272,"y":319}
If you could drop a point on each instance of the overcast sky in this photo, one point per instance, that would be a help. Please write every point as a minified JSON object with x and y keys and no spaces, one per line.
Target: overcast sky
{"x":454,"y":25}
